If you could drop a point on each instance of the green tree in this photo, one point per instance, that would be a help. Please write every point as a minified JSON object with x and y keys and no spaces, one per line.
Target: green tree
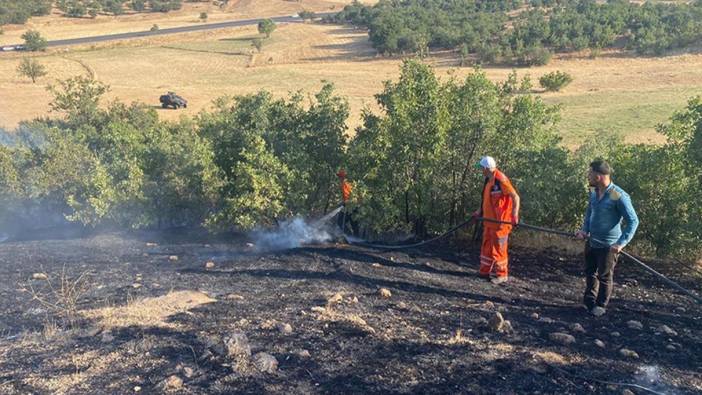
{"x":31,"y":68}
{"x":181,"y":180}
{"x":70,"y":177}
{"x":258,"y":181}
{"x":78,"y":97}
{"x":266,"y":26}
{"x":203,"y":16}
{"x":33,"y":41}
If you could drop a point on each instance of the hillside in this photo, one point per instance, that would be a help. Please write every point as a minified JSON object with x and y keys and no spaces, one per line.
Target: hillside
{"x":152,"y":314}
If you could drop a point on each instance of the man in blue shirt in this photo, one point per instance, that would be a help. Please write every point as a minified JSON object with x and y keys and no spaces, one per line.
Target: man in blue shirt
{"x":608,"y":205}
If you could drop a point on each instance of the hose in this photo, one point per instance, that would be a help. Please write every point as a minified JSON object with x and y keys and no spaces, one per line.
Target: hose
{"x":633,"y":258}
{"x":404,"y":246}
{"x":537,"y":229}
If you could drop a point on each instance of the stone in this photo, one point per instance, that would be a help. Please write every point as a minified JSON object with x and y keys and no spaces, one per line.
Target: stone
{"x":577,"y":328}
{"x":353,"y":300}
{"x":496,"y":322}
{"x":173,"y":258}
{"x":680,"y":310}
{"x":375,"y":265}
{"x":151,"y":244}
{"x":237,"y":345}
{"x":40,"y":276}
{"x":384,"y":293}
{"x":489,"y":305}
{"x":599,"y":343}
{"x":667,"y":330}
{"x":634,"y":325}
{"x":137,"y":388}
{"x":303,"y":354}
{"x":628,"y":392}
{"x":318,"y":309}
{"x":507,"y":327}
{"x":670,"y":347}
{"x":628,"y":353}
{"x":615,"y":334}
{"x":136,"y":285}
{"x":250,"y":245}
{"x":265,"y":362}
{"x":562,"y":338}
{"x":209,"y":265}
{"x":535,"y":316}
{"x":284,"y":328}
{"x":546,"y":320}
{"x":171,"y":383}
{"x":234,"y":297}
{"x":188,"y":371}
{"x":336,"y":298}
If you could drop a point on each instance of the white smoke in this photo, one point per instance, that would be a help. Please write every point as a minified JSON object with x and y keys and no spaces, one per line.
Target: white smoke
{"x":650,"y":377}
{"x":296,"y":233}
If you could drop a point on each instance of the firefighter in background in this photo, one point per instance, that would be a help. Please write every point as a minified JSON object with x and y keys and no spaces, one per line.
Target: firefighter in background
{"x":346,"y":188}
{"x":500,"y":201}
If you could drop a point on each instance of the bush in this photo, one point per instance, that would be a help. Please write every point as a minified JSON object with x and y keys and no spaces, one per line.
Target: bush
{"x":33,"y":41}
{"x":555,"y":81}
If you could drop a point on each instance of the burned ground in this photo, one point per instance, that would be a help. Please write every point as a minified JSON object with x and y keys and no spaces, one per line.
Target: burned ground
{"x":151,"y":311}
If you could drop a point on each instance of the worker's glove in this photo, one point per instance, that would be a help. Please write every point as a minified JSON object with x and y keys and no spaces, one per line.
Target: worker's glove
{"x":475,"y":215}
{"x":515,"y":220}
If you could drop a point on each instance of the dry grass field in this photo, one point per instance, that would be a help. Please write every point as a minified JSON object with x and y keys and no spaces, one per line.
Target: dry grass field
{"x":615,"y":93}
{"x":57,"y":27}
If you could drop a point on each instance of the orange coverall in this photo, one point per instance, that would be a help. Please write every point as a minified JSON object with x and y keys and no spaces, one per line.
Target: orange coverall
{"x":345,"y":186}
{"x":497,"y":204}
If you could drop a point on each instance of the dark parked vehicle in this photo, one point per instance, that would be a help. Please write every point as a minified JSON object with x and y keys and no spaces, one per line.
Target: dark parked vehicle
{"x":170,"y":99}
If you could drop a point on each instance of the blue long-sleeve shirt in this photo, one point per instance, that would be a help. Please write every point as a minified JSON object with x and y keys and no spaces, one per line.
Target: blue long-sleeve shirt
{"x":604,"y":216}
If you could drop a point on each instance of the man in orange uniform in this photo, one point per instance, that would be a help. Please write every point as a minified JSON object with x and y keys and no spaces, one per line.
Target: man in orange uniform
{"x":345,"y":186}
{"x":500,"y":201}
{"x":345,"y":194}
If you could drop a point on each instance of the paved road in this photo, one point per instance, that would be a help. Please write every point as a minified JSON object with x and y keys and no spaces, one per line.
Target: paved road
{"x":173,"y":30}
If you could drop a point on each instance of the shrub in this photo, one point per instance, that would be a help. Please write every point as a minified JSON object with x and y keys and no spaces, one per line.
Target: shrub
{"x":555,"y":81}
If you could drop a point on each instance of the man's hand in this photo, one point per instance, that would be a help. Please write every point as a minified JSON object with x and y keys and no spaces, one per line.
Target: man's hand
{"x":581,"y":235}
{"x":476,"y":214}
{"x":616,"y":248}
{"x":515,"y":219}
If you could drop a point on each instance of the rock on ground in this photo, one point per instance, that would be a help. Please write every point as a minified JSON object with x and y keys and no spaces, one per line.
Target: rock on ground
{"x":628,"y":353}
{"x":284,"y":328}
{"x":562,"y":338}
{"x":265,"y":362}
{"x":667,"y":330}
{"x":237,"y":345}
{"x":577,"y":328}
{"x":384,"y":293}
{"x":634,"y":325}
{"x":172,"y":383}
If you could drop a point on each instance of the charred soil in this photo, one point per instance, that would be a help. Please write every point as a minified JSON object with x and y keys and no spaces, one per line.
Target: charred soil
{"x":192,"y":315}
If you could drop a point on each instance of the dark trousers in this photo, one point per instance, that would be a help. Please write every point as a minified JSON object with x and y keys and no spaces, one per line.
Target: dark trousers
{"x":599,"y":275}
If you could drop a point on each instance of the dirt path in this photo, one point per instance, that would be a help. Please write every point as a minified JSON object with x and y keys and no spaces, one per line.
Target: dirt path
{"x":150,"y":313}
